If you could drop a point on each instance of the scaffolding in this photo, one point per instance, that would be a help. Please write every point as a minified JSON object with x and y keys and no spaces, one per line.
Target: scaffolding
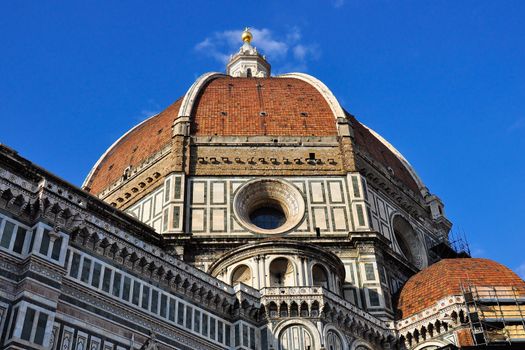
{"x":496,"y":314}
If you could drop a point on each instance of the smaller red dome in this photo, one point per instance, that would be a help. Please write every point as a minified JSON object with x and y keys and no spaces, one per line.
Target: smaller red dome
{"x":446,"y":277}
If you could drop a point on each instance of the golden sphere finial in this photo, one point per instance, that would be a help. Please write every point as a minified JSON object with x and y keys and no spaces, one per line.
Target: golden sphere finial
{"x":247,"y":35}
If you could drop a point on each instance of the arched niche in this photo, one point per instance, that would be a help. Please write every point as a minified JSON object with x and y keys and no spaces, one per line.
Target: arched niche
{"x":273,"y":310}
{"x":241,"y":274}
{"x":282,"y":273}
{"x":300,"y":256}
{"x":296,"y":337}
{"x":407,"y":242}
{"x":319,"y":276}
{"x":333,"y":341}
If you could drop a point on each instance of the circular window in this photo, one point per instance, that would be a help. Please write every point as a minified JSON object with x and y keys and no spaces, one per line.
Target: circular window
{"x":268,"y":217}
{"x":268,"y":206}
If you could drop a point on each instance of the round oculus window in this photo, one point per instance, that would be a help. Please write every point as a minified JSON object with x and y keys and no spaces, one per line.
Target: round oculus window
{"x":269,"y":206}
{"x":267,"y":217}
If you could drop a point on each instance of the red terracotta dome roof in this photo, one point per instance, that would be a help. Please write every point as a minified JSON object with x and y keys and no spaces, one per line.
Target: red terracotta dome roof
{"x":379,"y":152}
{"x":445,"y":278}
{"x":269,"y":106}
{"x":133,"y":148}
{"x":227,"y":106}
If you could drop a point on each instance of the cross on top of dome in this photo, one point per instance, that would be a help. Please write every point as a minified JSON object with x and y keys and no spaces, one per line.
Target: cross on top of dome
{"x":248,"y":62}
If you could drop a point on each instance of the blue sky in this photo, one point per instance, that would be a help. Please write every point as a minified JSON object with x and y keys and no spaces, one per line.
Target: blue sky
{"x":444,"y":81}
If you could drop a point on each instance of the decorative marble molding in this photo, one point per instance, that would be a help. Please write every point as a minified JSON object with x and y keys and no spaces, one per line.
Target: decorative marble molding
{"x":331,"y":307}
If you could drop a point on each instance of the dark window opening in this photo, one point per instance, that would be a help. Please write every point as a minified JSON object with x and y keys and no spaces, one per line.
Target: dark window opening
{"x":171,"y":314}
{"x":95,"y":280}
{"x":106,"y":281}
{"x":13,"y":323}
{"x":116,"y":284}
{"x":154,"y":301}
{"x":19,"y":240}
{"x":163,"y":305}
{"x":28,"y":325}
{"x":40,"y":329}
{"x":145,"y":297}
{"x":8,"y":234}
{"x":268,"y":218}
{"x":127,"y":288}
{"x":75,"y":265}
{"x":44,"y":244}
{"x":136,"y":293}
{"x":57,"y":246}
{"x":86,"y":269}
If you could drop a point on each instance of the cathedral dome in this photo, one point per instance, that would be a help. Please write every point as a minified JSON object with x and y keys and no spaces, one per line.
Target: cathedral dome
{"x":253,"y":212}
{"x":291,"y":105}
{"x":446,"y":277}
{"x":132,"y":149}
{"x":273,"y":106}
{"x":224,"y":106}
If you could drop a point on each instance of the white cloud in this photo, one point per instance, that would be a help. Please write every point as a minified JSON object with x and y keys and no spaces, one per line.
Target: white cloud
{"x":302,"y":52}
{"x":517,"y":124}
{"x":338,"y":3}
{"x":152,"y":108}
{"x":477,"y":252}
{"x":286,"y":48}
{"x":270,"y":46}
{"x":294,"y":34}
{"x":520,"y":270}
{"x":205,"y":44}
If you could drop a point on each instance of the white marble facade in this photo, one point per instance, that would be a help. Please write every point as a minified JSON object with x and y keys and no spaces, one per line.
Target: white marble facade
{"x":210,"y":209}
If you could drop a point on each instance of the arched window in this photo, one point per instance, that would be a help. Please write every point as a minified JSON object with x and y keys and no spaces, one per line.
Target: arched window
{"x":296,"y":337}
{"x":241,"y":273}
{"x":273,"y":310}
{"x":281,"y":273}
{"x":314,"y":310}
{"x":304,"y":309}
{"x":294,"y":309}
{"x":333,"y":341}
{"x":319,"y":276}
{"x":283,"y":310}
